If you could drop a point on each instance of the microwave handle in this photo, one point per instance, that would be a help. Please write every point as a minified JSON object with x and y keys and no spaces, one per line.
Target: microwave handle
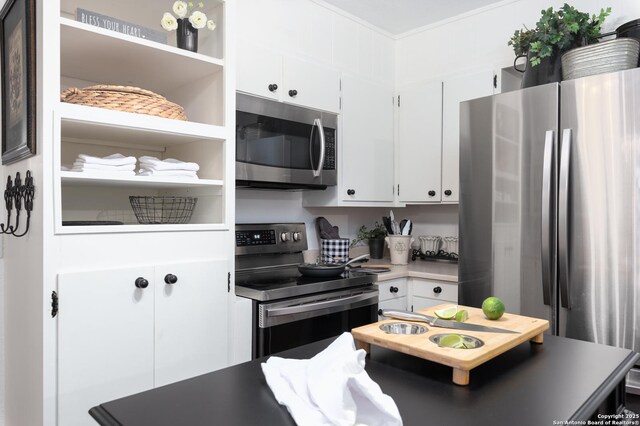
{"x":318,"y":122}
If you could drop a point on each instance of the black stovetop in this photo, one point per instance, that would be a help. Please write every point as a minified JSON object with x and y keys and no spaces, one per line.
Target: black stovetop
{"x":285,"y":282}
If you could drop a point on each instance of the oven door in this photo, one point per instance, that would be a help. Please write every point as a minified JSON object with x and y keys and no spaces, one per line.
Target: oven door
{"x":279,"y":144}
{"x":294,"y":322}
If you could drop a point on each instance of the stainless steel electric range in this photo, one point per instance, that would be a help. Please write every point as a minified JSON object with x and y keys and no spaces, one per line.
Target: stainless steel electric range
{"x":289,"y":309}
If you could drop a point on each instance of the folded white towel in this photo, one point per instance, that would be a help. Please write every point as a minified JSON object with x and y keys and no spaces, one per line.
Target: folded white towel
{"x":154,"y":163}
{"x":168,"y":173}
{"x":105,"y":173}
{"x":110,"y":160}
{"x":331,"y":388}
{"x":90,"y":166}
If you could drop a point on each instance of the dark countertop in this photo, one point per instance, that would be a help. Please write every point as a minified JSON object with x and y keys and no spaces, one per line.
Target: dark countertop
{"x":562,"y":379}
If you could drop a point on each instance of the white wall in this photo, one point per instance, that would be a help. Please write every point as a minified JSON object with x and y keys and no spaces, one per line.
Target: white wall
{"x":479,"y":39}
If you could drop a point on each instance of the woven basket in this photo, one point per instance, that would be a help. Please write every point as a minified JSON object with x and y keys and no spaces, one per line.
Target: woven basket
{"x":124,"y":98}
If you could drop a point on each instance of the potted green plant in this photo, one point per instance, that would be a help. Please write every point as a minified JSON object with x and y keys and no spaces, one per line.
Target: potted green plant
{"x":555,"y":32}
{"x":374,"y":237}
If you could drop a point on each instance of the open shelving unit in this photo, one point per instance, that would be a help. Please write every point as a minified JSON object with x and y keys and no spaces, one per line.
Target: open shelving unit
{"x":91,"y":55}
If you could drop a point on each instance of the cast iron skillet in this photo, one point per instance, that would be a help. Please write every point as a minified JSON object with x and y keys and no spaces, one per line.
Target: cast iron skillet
{"x":324,"y":270}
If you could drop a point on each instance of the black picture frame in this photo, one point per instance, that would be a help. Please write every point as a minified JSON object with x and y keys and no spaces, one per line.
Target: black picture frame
{"x":17,"y":74}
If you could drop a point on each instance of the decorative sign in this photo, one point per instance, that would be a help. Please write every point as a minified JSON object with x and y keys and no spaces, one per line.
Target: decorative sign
{"x":117,"y":25}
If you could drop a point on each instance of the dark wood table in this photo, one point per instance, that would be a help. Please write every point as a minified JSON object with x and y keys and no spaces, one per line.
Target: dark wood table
{"x":535,"y":385}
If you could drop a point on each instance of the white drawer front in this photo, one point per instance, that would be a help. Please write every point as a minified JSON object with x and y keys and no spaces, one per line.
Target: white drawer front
{"x":392,"y":289}
{"x":437,"y":290}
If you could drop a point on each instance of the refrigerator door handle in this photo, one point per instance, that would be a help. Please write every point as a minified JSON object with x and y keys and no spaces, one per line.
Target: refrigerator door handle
{"x":563,"y":219}
{"x":547,"y":194}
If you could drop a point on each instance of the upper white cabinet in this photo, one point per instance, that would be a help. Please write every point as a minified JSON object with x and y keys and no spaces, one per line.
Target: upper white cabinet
{"x":419,"y":146}
{"x":456,"y":90}
{"x":275,"y":76}
{"x":429,"y":137}
{"x":123,"y":331}
{"x":365,"y":148}
{"x":367,"y":141}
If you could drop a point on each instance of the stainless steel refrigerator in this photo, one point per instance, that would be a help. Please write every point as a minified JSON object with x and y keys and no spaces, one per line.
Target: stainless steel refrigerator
{"x":550,"y":206}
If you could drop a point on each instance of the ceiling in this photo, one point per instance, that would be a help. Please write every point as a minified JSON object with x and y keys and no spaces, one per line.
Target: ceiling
{"x":400,"y":16}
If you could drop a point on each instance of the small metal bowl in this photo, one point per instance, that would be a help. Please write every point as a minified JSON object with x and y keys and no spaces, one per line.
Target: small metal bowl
{"x":469,"y":341}
{"x":402,"y":328}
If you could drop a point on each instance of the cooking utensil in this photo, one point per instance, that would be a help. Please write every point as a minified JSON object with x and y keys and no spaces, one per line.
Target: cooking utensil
{"x":437,"y":322}
{"x":406,"y":228}
{"x":394,"y":225}
{"x":387,"y":224}
{"x":403,"y":222}
{"x":324,"y":270}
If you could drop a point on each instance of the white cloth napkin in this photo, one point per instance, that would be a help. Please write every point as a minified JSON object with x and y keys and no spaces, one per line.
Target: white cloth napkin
{"x":105,"y":173}
{"x":153,"y":163}
{"x":168,"y":173}
{"x":331,"y":388}
{"x":77,"y":165}
{"x":110,"y":160}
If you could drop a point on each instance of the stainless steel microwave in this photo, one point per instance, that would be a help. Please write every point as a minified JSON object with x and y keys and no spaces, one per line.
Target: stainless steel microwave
{"x":284,"y":146}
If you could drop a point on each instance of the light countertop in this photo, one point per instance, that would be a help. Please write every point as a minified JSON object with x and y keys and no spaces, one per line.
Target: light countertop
{"x":434,"y":270}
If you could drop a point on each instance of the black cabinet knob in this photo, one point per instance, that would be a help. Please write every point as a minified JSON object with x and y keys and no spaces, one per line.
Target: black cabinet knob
{"x":437,"y":290}
{"x":379,"y":312}
{"x":351,"y":192}
{"x":170,"y":279}
{"x":273,"y":87}
{"x":432,"y":193}
{"x":393,"y":289}
{"x":141,"y":282}
{"x":447,"y":192}
{"x":293,"y":93}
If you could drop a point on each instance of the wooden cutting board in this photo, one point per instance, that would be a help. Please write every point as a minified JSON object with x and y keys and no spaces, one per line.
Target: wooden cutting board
{"x":462,"y":360}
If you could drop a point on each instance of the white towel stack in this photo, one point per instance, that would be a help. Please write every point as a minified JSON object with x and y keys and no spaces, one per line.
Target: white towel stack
{"x":170,"y":167}
{"x":332,"y":388}
{"x":112,"y":165}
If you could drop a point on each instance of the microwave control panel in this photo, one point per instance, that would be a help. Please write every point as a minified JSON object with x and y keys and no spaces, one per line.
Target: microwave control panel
{"x":330,"y":150}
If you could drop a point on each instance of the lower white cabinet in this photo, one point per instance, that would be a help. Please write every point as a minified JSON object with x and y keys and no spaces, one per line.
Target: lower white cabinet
{"x":428,"y":293}
{"x":392,"y":294}
{"x":122,"y":331}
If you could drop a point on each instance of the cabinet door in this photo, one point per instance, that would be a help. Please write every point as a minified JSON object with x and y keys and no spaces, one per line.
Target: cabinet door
{"x":457,"y":90}
{"x":105,"y":339}
{"x":191,"y":319}
{"x":420,"y":143}
{"x":310,"y":85}
{"x":259,"y":71}
{"x":367,"y":141}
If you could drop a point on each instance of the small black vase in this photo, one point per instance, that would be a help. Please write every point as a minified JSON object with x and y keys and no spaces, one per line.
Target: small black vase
{"x":376,"y":248}
{"x":187,"y":35}
{"x":549,"y":70}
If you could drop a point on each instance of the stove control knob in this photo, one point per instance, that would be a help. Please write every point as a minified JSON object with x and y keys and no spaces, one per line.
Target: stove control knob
{"x":285,"y":236}
{"x":297,"y":236}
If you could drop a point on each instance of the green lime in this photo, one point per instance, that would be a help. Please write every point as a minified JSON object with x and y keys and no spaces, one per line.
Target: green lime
{"x":452,"y":341}
{"x":493,"y":308}
{"x":446,"y":313}
{"x":462,"y":315}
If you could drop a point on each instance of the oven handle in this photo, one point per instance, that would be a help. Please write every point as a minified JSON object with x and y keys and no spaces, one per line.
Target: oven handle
{"x":313,"y":306}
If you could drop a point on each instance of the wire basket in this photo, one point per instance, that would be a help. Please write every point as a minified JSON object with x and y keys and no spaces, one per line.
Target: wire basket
{"x":150,"y":210}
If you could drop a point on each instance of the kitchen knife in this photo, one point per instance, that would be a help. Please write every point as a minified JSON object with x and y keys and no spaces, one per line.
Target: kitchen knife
{"x":437,"y":322}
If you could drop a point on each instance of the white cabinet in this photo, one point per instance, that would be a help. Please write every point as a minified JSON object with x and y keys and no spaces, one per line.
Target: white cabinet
{"x":456,"y":90}
{"x":429,"y":293}
{"x":122,"y":331}
{"x":392,"y":294}
{"x":367,"y":141}
{"x":419,"y":146}
{"x":429,"y":137}
{"x":287,"y":79}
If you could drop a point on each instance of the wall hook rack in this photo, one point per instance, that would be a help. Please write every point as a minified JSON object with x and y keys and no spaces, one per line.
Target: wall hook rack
{"x":16,"y":194}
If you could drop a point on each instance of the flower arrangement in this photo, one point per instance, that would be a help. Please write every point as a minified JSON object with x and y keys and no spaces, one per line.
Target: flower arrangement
{"x":197,"y":18}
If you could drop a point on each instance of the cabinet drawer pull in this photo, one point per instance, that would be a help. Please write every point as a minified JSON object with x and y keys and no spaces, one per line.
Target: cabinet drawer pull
{"x":393,"y":289}
{"x":170,"y":279}
{"x":432,"y":193}
{"x":379,"y":312}
{"x":437,"y":290}
{"x":141,"y":282}
{"x":273,"y":87}
{"x":447,"y":192}
{"x":293,"y":93}
{"x":351,"y":192}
